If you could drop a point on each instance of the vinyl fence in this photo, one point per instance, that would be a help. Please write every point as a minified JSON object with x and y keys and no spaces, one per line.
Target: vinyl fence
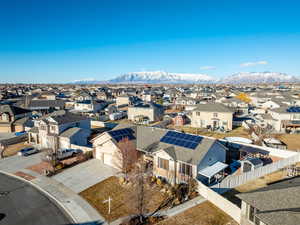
{"x":83,"y":148}
{"x":14,"y":140}
{"x":228,"y":207}
{"x":234,"y":181}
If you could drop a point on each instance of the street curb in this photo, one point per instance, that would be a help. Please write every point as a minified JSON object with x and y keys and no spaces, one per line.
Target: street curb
{"x":52,"y":198}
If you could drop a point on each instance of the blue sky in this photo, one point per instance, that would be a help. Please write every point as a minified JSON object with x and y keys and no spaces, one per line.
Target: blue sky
{"x":66,"y":40}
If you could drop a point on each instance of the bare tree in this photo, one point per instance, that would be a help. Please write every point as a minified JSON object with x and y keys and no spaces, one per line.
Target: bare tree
{"x":141,"y":199}
{"x":126,"y":156}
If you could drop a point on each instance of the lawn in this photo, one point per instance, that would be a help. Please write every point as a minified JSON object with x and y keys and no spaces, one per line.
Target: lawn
{"x":13,"y":149}
{"x":237,"y":132}
{"x":121,"y":204}
{"x":203,"y":214}
{"x":292,"y":140}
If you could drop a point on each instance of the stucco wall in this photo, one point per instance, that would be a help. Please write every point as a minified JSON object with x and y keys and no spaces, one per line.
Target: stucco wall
{"x":206,"y":119}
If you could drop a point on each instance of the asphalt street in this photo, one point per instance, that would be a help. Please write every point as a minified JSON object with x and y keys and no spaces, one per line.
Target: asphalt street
{"x":23,"y":204}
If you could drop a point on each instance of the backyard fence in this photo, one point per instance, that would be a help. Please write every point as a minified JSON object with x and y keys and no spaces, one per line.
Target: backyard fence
{"x":228,"y":207}
{"x":14,"y":140}
{"x":234,"y":181}
{"x":83,"y":148}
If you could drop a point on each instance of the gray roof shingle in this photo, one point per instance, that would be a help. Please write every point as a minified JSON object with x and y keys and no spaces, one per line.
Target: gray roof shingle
{"x":216,"y":107}
{"x":278,"y":203}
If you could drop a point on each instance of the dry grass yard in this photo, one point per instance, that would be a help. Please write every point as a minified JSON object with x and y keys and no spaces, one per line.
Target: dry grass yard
{"x":237,"y":132}
{"x":203,"y":214}
{"x":121,"y":204}
{"x":292,"y":140}
{"x":13,"y":149}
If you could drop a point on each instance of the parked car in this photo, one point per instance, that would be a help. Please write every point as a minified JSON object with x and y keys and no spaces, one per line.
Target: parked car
{"x":20,"y":133}
{"x":27,"y":151}
{"x":66,"y":153}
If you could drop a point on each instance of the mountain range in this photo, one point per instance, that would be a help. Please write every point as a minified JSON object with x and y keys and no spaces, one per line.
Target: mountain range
{"x":162,"y":77}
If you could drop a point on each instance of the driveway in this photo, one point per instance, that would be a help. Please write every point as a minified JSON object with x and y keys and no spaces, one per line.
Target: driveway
{"x":4,"y":136}
{"x":16,"y":163}
{"x":85,"y":175}
{"x":22,"y":204}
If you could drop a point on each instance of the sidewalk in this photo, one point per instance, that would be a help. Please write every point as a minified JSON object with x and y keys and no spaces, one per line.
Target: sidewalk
{"x":182,"y":207}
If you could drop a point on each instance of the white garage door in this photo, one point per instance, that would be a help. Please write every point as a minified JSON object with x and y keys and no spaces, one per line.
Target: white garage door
{"x":107,"y":159}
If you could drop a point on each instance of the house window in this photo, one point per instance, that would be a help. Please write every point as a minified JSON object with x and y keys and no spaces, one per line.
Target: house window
{"x":52,"y":128}
{"x":163,"y":163}
{"x":197,"y":113}
{"x":185,"y":169}
{"x":251,"y":213}
{"x":215,"y":115}
{"x":225,"y":123}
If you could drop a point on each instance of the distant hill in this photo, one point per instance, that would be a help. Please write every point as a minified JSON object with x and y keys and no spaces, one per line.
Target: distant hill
{"x":161,"y":77}
{"x":259,"y":77}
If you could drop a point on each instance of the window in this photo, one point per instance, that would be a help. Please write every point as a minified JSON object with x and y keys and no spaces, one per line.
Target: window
{"x":251,"y":213}
{"x":197,"y":113}
{"x":185,"y":169}
{"x":215,"y":114}
{"x":163,"y":163}
{"x":225,"y":123}
{"x":202,"y":122}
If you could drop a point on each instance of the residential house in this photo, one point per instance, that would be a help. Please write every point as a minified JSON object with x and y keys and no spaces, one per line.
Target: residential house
{"x":214,"y":116}
{"x":286,"y":118}
{"x":126,"y":100}
{"x":106,"y":145}
{"x":152,"y":111}
{"x":13,"y":118}
{"x":278,"y":203}
{"x":186,"y":101}
{"x":45,"y":106}
{"x":91,"y":106}
{"x":176,"y":156}
{"x":238,"y":107}
{"x":58,"y":130}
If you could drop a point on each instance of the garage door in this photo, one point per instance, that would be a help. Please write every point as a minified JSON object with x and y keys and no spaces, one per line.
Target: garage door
{"x":107,"y":159}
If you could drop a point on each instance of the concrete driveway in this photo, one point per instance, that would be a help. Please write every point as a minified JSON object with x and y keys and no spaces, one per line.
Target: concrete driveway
{"x":16,"y":163}
{"x":85,"y":175}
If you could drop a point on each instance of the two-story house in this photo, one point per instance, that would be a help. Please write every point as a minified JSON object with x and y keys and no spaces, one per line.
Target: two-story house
{"x":214,"y":116}
{"x":13,"y":118}
{"x":60,"y":129}
{"x":151,"y":111}
{"x":286,"y":118}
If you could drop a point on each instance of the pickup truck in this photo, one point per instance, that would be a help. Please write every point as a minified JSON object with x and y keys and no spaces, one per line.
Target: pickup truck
{"x":66,"y":153}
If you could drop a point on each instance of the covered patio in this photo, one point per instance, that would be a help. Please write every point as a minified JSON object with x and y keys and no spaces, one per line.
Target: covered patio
{"x":214,"y":171}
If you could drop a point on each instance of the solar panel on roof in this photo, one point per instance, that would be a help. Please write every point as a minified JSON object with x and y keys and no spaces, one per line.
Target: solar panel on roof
{"x":118,"y":135}
{"x":181,"y":139}
{"x":293,"y":109}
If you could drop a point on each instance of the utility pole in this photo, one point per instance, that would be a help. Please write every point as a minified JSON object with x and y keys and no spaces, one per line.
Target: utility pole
{"x":109,"y":202}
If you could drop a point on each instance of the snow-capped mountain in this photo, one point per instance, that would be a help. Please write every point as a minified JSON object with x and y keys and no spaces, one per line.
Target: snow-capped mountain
{"x":162,"y":77}
{"x":258,"y":77}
